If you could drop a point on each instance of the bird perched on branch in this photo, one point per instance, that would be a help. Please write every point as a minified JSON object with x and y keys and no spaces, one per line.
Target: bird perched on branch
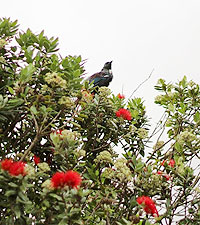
{"x":102,"y":78}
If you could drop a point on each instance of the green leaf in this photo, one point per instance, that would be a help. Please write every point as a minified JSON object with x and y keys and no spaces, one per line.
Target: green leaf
{"x":76,"y":73}
{"x":183,"y":108}
{"x":171,"y":107}
{"x":46,"y":203}
{"x":178,"y":147}
{"x":10,"y":90}
{"x":197,"y":117}
{"x":33,"y":110}
{"x":139,"y":166}
{"x":16,"y":102}
{"x":63,"y":222}
{"x":79,"y":59}
{"x":183,"y":82}
{"x":56,"y":196}
{"x":65,"y":63}
{"x":9,"y":193}
{"x":41,"y":35}
{"x":17,"y":211}
{"x":11,"y":184}
{"x":26,"y":73}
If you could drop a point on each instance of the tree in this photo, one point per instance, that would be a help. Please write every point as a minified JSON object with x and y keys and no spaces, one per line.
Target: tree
{"x":59,"y":163}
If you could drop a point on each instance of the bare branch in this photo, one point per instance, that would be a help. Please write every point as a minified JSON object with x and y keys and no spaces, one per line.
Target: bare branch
{"x":141,"y":84}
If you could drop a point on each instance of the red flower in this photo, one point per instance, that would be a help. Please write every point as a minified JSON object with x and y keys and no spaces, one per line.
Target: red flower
{"x":120,"y":96}
{"x":124,"y":113}
{"x":58,"y":180}
{"x":17,"y":168}
{"x":163,"y":162}
{"x":6,"y":164}
{"x":148,"y":205}
{"x":59,"y":132}
{"x":166,"y":176}
{"x":171,"y":163}
{"x":36,"y":159}
{"x":159,"y":172}
{"x":70,"y":178}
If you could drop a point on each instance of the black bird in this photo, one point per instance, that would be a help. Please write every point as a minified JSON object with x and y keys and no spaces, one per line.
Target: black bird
{"x":102,"y":78}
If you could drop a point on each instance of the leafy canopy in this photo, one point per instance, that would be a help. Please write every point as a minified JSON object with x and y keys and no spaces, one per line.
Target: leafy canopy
{"x":51,"y":120}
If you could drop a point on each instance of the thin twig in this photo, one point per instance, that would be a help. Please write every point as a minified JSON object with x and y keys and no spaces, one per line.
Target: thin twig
{"x":160,"y":147}
{"x":141,"y":84}
{"x":54,"y":119}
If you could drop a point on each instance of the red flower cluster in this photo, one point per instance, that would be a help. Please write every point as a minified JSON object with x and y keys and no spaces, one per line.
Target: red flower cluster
{"x":124,"y":113}
{"x":14,"y":168}
{"x":6,"y":164}
{"x":148,"y":205}
{"x":69,"y":178}
{"x":120,"y":96}
{"x":171,"y":163}
{"x":36,"y":159}
{"x":167,"y":177}
{"x":59,"y":132}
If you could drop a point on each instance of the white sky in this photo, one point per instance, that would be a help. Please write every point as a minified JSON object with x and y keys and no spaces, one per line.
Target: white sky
{"x":138,"y":35}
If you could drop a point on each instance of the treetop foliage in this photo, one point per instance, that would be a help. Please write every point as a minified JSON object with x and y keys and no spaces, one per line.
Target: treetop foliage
{"x":59,"y":163}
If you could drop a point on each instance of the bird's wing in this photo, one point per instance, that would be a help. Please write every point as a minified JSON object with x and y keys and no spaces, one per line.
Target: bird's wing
{"x":100,"y":79}
{"x":99,"y":74}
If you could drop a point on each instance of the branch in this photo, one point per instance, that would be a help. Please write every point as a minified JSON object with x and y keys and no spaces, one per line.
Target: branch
{"x":54,"y":119}
{"x":141,"y":84}
{"x":34,"y":140}
{"x":160,"y":147}
{"x":30,"y":147}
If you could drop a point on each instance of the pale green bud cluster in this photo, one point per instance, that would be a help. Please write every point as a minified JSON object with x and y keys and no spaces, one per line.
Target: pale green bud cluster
{"x":104,"y":91}
{"x":197,"y":189}
{"x":55,"y":79}
{"x":30,"y":170}
{"x":65,"y":140}
{"x":104,"y":157}
{"x":64,"y":100}
{"x":2,"y":59}
{"x":156,"y":179}
{"x":123,"y":172}
{"x":132,"y":128}
{"x":47,"y":184}
{"x":109,"y":173}
{"x":80,"y":153}
{"x":142,"y":133}
{"x":43,"y":166}
{"x":182,"y":169}
{"x":45,"y":88}
{"x":171,"y":94}
{"x":70,"y":136}
{"x":153,"y":183}
{"x":185,"y":137}
{"x":2,"y":42}
{"x":159,"y":98}
{"x":86,"y":96}
{"x":158,"y":145}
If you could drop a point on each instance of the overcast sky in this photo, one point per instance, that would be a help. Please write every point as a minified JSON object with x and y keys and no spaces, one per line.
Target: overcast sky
{"x":138,"y":35}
